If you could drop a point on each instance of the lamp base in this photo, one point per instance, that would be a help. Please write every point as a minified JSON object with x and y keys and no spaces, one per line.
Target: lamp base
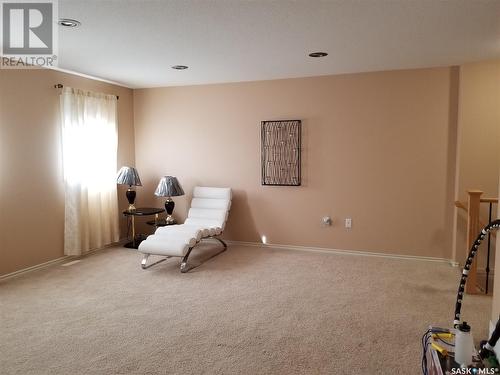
{"x":169,"y":207}
{"x":131,"y":198}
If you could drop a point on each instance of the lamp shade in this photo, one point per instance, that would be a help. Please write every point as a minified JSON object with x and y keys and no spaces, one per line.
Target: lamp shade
{"x":128,"y":176}
{"x":169,"y":187}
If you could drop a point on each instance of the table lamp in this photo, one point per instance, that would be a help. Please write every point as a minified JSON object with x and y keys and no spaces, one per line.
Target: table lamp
{"x":129,"y":176}
{"x":169,"y":187}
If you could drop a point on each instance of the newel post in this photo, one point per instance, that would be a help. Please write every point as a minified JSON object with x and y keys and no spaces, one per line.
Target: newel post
{"x":473,"y":228}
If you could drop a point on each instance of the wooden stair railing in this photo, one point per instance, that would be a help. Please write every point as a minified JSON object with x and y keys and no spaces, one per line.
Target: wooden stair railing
{"x":474,"y":225}
{"x":482,"y":224}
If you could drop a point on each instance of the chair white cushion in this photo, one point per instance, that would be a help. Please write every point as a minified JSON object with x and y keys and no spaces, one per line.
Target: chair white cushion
{"x":221,"y":204}
{"x":174,"y":237}
{"x":192,"y":231}
{"x":211,"y":192}
{"x":207,"y":213}
{"x":164,"y":247}
{"x":205,"y":223}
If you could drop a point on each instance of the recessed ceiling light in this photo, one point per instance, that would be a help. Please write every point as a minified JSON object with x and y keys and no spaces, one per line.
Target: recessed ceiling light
{"x":68,"y":22}
{"x":318,"y":54}
{"x":179,"y":67}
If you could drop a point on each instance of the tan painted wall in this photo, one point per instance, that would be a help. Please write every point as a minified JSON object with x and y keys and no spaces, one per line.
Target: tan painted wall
{"x":31,"y":182}
{"x":377,"y":147}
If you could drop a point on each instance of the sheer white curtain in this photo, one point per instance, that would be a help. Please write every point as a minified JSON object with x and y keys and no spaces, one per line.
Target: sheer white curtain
{"x":89,"y":145}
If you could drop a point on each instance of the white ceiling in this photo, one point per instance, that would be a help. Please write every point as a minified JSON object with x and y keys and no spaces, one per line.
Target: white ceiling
{"x":135,"y":42}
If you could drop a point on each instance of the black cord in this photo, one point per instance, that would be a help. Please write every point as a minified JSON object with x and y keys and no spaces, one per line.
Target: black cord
{"x":425,"y":344}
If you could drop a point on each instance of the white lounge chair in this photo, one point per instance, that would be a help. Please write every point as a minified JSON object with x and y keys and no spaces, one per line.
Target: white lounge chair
{"x":206,"y":219}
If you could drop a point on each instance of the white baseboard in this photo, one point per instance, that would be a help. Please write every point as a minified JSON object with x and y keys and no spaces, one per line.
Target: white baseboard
{"x":62,"y":259}
{"x":121,"y":242}
{"x":252,"y":244}
{"x":344,"y":252}
{"x":36,"y":267}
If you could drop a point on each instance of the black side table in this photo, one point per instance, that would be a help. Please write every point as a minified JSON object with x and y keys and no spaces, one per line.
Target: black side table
{"x":143,"y":211}
{"x":160,"y":222}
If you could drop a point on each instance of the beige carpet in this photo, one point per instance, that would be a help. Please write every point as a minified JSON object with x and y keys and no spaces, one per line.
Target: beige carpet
{"x":248,"y":311}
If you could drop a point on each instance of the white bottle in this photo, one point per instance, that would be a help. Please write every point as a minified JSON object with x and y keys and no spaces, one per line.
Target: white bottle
{"x":463,"y":345}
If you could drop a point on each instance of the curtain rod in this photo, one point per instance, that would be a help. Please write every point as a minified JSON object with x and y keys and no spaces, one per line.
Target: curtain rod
{"x":60,"y":86}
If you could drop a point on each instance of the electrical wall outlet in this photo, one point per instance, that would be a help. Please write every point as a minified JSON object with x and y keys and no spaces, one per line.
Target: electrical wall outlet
{"x":348,"y":223}
{"x":326,"y":220}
